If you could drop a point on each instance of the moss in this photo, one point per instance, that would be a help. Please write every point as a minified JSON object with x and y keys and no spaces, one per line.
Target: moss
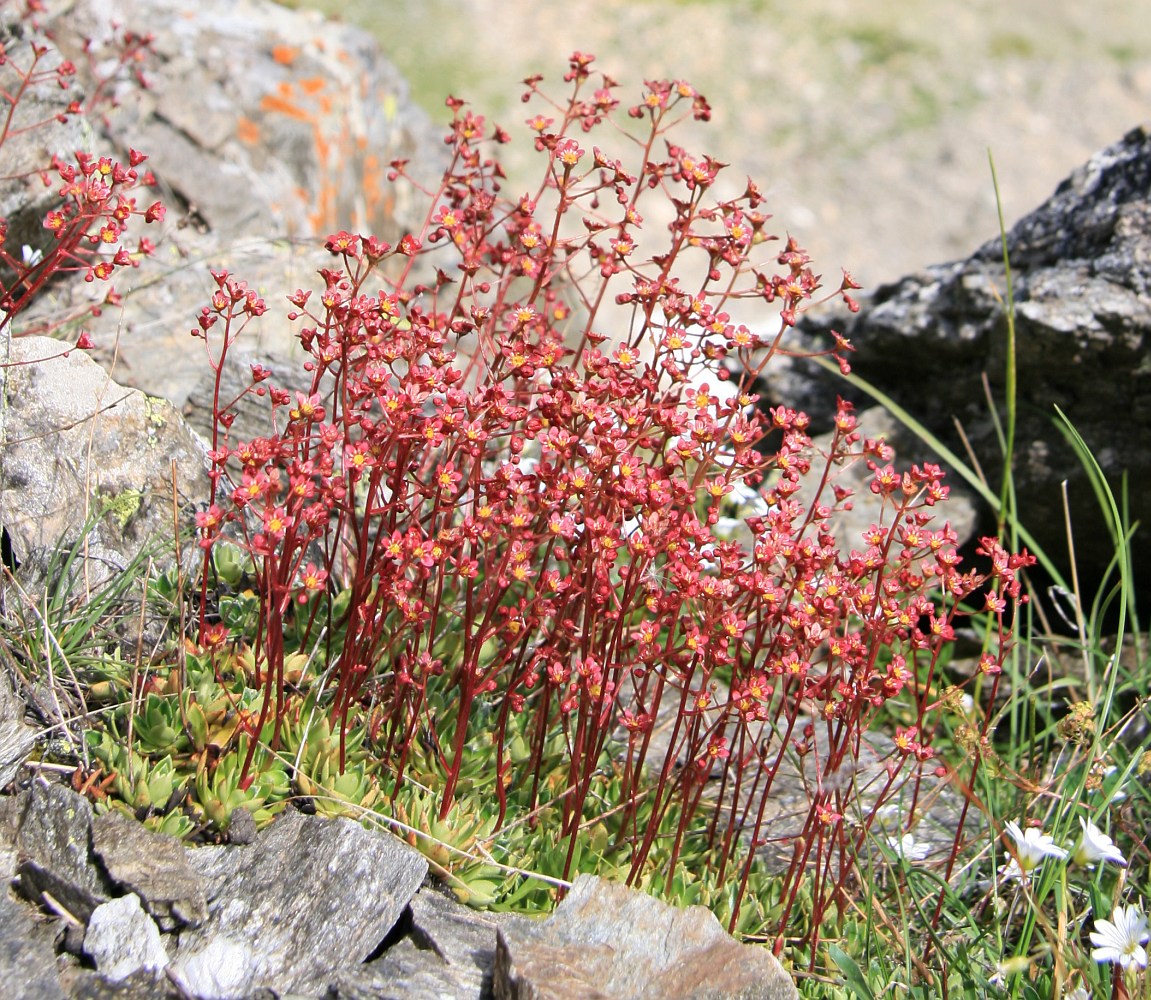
{"x":122,"y":506}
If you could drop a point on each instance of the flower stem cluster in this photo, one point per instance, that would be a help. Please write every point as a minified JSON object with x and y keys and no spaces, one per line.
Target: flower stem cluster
{"x":512,"y":458}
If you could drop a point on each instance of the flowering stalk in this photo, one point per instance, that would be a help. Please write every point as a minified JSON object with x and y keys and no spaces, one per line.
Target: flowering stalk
{"x":526,"y":513}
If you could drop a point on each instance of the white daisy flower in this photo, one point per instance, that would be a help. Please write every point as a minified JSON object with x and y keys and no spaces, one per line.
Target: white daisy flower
{"x":1121,"y":939}
{"x":1030,"y":848}
{"x":1096,"y":846}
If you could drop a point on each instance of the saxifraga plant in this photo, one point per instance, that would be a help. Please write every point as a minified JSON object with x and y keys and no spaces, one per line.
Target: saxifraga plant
{"x":513,"y":472}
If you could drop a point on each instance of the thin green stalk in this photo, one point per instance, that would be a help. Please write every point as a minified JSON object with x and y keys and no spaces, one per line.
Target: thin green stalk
{"x":1007,"y":490}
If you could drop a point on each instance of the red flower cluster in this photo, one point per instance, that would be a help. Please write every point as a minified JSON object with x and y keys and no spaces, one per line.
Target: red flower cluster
{"x":97,"y":198}
{"x":517,"y":466}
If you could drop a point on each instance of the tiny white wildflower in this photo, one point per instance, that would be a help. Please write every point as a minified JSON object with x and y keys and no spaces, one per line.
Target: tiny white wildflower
{"x":908,"y":848}
{"x":1096,"y":846}
{"x":1030,"y":848}
{"x":1079,"y":993}
{"x":1120,"y":940}
{"x":890,"y":816}
{"x":30,"y":256}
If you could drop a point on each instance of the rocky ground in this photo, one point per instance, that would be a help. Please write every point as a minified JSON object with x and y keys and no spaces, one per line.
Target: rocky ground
{"x":320,"y":908}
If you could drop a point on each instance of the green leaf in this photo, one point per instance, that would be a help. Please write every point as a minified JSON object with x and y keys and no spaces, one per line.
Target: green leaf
{"x":852,"y":974}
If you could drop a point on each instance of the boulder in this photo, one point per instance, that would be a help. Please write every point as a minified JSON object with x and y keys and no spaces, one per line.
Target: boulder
{"x":448,"y":951}
{"x":27,"y":960}
{"x":76,"y":447}
{"x":608,"y":942}
{"x":308,"y":898}
{"x":268,"y":123}
{"x":54,"y":850}
{"x":1081,"y":267}
{"x":153,"y":867}
{"x":318,"y":907}
{"x":123,"y":940}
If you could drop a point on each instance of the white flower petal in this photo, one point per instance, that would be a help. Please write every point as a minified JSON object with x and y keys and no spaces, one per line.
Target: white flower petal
{"x":908,"y":848}
{"x":1096,"y":846}
{"x":1030,"y":847}
{"x":1120,"y":940}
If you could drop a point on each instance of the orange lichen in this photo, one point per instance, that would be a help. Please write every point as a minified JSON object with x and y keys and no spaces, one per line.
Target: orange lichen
{"x":285,"y":55}
{"x":271,"y":102}
{"x":247,"y":131}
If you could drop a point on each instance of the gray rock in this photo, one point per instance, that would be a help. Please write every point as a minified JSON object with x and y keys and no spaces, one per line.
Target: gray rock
{"x":608,"y":941}
{"x":298,"y":912}
{"x":123,"y":940}
{"x":77,"y":444}
{"x":267,"y":130}
{"x":54,"y":845}
{"x":252,"y":412}
{"x":16,"y":738}
{"x":449,"y":951}
{"x":310,"y":897}
{"x":27,"y":964}
{"x":216,"y":865}
{"x":11,"y":813}
{"x":267,"y":121}
{"x":86,"y":984}
{"x":153,"y":866}
{"x":242,"y":828}
{"x":408,"y":972}
{"x":1082,"y":276}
